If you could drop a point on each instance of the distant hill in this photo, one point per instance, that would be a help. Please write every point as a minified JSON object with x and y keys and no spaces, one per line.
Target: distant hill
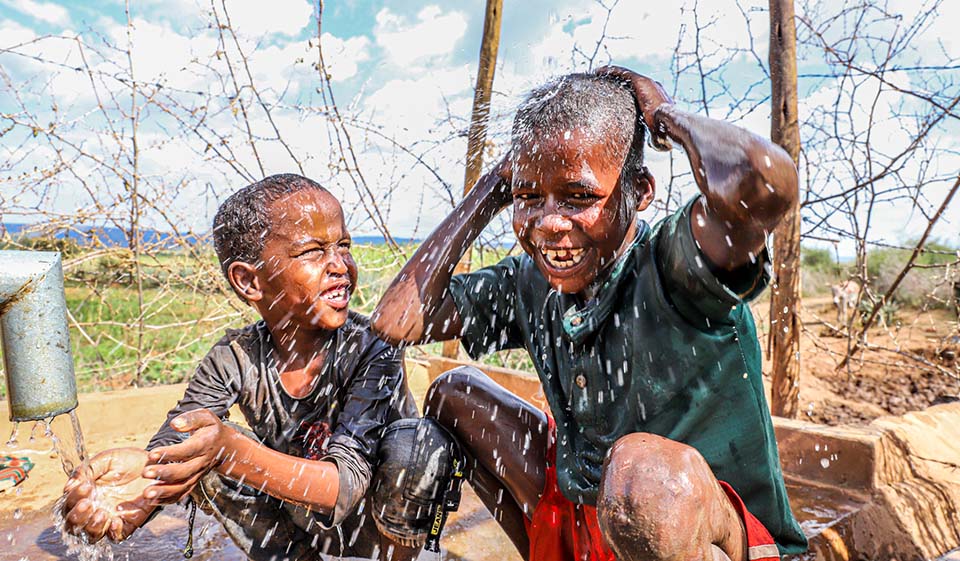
{"x":112,"y":236}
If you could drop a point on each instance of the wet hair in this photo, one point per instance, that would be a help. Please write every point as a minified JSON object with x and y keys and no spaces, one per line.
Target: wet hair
{"x":598,"y":106}
{"x":242,"y":222}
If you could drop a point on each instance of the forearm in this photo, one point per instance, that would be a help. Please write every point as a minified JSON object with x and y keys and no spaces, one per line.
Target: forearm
{"x":311,"y":483}
{"x":746,"y":179}
{"x":417,"y":306}
{"x":748,"y":185}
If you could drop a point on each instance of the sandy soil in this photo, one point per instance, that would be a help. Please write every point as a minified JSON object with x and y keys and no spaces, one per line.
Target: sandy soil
{"x":910,"y":365}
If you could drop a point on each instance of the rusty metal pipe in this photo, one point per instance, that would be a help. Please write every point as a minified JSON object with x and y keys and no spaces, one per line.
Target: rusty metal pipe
{"x":36,"y":337}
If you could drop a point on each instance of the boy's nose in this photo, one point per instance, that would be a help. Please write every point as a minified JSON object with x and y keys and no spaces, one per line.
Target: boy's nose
{"x":337,"y":265}
{"x":554,"y":223}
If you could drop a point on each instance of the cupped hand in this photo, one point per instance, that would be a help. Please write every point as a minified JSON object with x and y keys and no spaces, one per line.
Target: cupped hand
{"x":650,"y":96}
{"x":179,"y":467}
{"x":103,"y":497}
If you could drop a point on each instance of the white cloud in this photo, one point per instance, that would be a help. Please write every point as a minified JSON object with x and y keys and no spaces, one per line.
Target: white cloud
{"x":14,"y":34}
{"x":255,"y":19}
{"x":645,"y":31}
{"x":411,"y":107}
{"x":41,"y":11}
{"x":342,"y":56}
{"x":433,"y":35}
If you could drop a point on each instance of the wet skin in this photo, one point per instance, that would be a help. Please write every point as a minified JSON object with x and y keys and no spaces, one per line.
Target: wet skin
{"x":301,"y":290}
{"x":505,"y":439}
{"x":570,"y":202}
{"x":568,"y":208}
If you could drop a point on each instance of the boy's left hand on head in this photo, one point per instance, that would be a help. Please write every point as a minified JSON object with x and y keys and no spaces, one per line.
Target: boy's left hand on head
{"x":179,"y":467}
{"x":650,"y":96}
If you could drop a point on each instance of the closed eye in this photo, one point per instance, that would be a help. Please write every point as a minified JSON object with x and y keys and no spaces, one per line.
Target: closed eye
{"x":309,"y":251}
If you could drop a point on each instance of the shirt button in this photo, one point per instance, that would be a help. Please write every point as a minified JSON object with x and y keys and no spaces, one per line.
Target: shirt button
{"x":580,"y":381}
{"x":577,"y":320}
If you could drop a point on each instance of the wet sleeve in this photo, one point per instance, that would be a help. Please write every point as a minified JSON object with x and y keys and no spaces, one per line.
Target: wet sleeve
{"x":377,"y":387}
{"x":486,"y":300}
{"x":690,"y":285}
{"x":213,"y":386}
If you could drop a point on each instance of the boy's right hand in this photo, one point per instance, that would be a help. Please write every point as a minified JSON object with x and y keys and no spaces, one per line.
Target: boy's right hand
{"x":179,"y":467}
{"x":103,"y":497}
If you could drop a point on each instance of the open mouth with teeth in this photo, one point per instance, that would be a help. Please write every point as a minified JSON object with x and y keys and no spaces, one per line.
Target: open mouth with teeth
{"x":336,"y":297}
{"x":560,"y":259}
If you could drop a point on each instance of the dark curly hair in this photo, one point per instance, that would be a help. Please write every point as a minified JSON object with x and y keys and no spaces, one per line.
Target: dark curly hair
{"x":242,"y":222}
{"x":601,"y":107}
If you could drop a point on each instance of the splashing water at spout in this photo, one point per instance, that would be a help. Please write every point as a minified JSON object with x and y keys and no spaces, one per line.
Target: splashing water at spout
{"x":66,"y":438}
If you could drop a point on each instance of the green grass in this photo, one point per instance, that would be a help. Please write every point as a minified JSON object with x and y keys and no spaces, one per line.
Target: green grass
{"x":187,"y":306}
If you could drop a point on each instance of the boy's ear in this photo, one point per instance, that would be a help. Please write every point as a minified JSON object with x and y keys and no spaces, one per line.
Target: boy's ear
{"x":243,"y":278}
{"x":644,"y":187}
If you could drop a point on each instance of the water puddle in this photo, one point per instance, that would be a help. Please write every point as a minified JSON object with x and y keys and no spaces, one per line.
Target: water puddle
{"x":818,"y":508}
{"x":34,"y":537}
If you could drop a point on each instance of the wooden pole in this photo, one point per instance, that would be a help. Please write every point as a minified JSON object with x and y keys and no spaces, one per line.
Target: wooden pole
{"x":478,"y":122}
{"x":784,"y":334}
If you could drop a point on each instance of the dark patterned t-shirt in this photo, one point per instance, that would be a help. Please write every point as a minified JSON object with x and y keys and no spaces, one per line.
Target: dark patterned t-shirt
{"x":360,"y":390}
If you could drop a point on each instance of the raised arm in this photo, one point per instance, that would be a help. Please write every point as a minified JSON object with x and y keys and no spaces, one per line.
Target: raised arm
{"x":417,"y":307}
{"x":748,"y":183}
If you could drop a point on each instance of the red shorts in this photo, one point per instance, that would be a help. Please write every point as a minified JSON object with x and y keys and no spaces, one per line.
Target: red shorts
{"x":560,"y":530}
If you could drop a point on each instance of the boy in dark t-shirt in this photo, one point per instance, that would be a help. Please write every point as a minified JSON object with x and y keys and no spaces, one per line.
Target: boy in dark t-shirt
{"x":314,"y":384}
{"x":660,"y":444}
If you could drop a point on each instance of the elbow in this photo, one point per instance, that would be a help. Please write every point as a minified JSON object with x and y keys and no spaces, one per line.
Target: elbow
{"x":777,"y":183}
{"x":395,"y":323}
{"x":386,"y":326}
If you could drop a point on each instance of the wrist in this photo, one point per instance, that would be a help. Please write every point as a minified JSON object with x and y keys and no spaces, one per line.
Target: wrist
{"x":659,"y":127}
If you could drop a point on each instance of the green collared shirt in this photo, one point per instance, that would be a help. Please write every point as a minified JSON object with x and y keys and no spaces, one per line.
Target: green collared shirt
{"x":665,"y":348}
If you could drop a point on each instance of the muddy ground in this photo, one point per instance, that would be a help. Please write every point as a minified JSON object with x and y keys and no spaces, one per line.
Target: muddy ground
{"x":910,"y":364}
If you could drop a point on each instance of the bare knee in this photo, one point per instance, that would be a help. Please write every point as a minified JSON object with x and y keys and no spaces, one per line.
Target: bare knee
{"x":653,"y":492}
{"x":448,"y":395}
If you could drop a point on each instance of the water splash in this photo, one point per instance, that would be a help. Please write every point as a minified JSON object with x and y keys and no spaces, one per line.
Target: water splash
{"x":12,"y":441}
{"x":66,"y":438}
{"x":79,"y":546}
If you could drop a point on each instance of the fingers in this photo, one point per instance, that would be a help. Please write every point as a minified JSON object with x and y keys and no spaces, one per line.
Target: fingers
{"x":193,"y":420}
{"x":86,"y":518}
{"x":78,"y":516}
{"x":130,"y":515}
{"x":80,"y":490}
{"x":97,"y":526}
{"x":188,"y":449}
{"x":177,"y":472}
{"x":615,"y":71}
{"x":161,"y":494}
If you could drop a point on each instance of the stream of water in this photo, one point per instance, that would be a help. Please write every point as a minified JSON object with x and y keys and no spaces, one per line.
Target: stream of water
{"x":67,"y":443}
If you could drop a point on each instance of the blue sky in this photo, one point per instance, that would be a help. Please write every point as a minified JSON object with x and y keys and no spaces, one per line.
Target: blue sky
{"x":403,"y":70}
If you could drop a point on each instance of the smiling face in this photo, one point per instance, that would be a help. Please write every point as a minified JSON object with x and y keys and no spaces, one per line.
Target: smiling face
{"x":307,"y":272}
{"x":570,"y":211}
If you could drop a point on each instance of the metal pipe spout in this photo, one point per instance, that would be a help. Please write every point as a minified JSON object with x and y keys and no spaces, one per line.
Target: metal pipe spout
{"x":35,"y":336}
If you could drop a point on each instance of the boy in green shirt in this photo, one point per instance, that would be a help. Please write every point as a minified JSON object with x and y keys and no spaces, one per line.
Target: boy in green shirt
{"x":641,"y":337}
